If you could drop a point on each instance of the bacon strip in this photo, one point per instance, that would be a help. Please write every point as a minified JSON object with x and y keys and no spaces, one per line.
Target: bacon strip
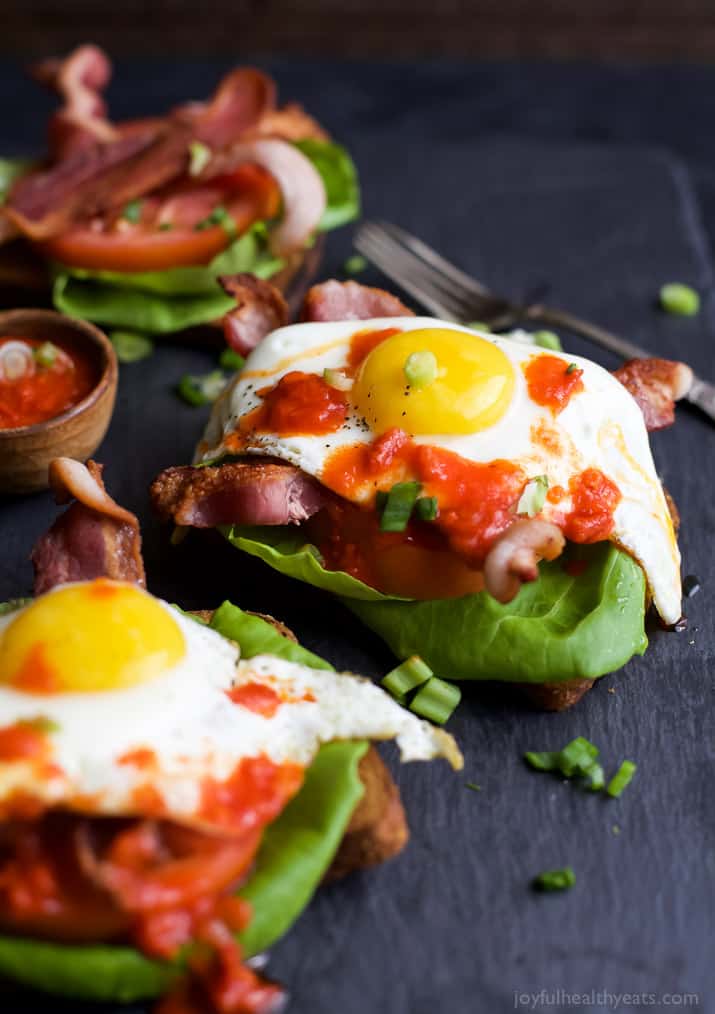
{"x":145,"y":154}
{"x":656,"y":384}
{"x":94,"y":538}
{"x":79,"y":80}
{"x":261,"y":308}
{"x":334,"y":300}
{"x":241,"y":493}
{"x":513,"y":559}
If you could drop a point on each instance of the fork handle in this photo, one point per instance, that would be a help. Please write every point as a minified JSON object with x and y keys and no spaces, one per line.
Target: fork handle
{"x":701,"y":393}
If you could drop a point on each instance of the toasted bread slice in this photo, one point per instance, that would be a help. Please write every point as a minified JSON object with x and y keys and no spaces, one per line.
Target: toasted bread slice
{"x":378,"y":827}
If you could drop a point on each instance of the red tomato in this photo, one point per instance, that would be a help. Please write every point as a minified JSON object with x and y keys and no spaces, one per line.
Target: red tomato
{"x":166,"y":234}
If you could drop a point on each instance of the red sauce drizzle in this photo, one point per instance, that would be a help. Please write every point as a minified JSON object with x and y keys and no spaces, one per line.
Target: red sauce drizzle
{"x":44,"y":392}
{"x":255,"y":794}
{"x":551,"y":382}
{"x":37,"y":675}
{"x":363,"y":342}
{"x":300,"y":404}
{"x":256,"y":697}
{"x":23,"y":741}
{"x":594,"y":499}
{"x":142,"y":757}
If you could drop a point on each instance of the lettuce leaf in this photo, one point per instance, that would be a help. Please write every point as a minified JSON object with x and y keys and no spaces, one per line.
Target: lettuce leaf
{"x":557,"y":628}
{"x":162,"y":302}
{"x":12,"y":169}
{"x":295,"y":853}
{"x":340,"y":180}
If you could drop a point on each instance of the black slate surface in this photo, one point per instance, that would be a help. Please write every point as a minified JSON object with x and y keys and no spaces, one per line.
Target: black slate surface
{"x":524,"y":176}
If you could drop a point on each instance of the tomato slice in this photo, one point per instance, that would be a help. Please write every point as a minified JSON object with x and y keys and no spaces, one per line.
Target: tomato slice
{"x":166,"y":234}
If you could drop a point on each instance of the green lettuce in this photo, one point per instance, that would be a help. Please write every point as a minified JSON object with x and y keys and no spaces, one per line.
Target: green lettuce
{"x":294,"y":855}
{"x":161,"y":302}
{"x":12,"y":169}
{"x":559,"y":627}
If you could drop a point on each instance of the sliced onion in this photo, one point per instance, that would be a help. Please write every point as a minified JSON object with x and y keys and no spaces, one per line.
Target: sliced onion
{"x":16,"y":360}
{"x":301,"y":185}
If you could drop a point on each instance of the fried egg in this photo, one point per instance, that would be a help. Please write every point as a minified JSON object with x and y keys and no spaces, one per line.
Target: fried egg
{"x":491,"y":399}
{"x":115,"y":703}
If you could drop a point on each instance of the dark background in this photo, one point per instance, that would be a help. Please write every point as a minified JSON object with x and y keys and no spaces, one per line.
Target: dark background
{"x":599,"y":182}
{"x":561,"y":29}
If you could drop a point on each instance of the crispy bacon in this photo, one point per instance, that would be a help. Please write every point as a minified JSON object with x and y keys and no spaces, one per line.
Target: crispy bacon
{"x":656,"y":384}
{"x":94,"y":538}
{"x":261,"y":308}
{"x":334,"y":300}
{"x":513,"y":559}
{"x":242,"y":493}
{"x":79,"y":80}
{"x":242,"y":98}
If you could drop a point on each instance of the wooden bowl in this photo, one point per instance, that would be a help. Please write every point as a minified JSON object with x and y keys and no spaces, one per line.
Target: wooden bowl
{"x":25,"y":452}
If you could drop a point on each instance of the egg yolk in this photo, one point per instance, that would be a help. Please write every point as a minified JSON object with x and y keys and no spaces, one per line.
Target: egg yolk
{"x":99,"y":635}
{"x":469,"y":390}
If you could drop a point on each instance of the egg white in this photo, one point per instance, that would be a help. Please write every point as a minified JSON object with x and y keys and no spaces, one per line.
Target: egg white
{"x":601,"y":427}
{"x":195,"y":730}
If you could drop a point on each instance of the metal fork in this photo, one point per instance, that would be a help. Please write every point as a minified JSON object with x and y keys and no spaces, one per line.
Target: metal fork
{"x":450,"y":293}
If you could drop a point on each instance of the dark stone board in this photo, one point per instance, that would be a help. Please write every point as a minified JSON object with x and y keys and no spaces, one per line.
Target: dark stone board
{"x":452,"y":925}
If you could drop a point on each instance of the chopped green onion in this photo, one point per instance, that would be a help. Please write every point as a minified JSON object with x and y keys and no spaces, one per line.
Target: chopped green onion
{"x":131,"y":347}
{"x":555,"y":880}
{"x":199,"y":157}
{"x":621,"y":779}
{"x":42,"y":724}
{"x":165,"y":226}
{"x":577,"y":757}
{"x":473,"y":786}
{"x":436,"y":700}
{"x":547,"y":340}
{"x":354,"y":265}
{"x":179,"y":534}
{"x":571,"y":368}
{"x":12,"y":605}
{"x":398,"y":506}
{"x":219,"y":216}
{"x":133,"y":211}
{"x":545,"y":761}
{"x":231,"y":360}
{"x":201,"y":390}
{"x":679,"y":299}
{"x":426,"y":508}
{"x":596,"y":778}
{"x":337,"y":379}
{"x":533,"y":497}
{"x":45,"y":354}
{"x":411,"y":674}
{"x":421,"y":368}
{"x":479,"y":325}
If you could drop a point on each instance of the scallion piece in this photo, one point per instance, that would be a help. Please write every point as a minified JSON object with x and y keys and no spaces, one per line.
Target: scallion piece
{"x":337,"y":379}
{"x":133,"y":211}
{"x":354,"y":265}
{"x":131,"y":347}
{"x":479,"y":325}
{"x":45,"y":354}
{"x":219,"y":216}
{"x":411,"y":674}
{"x":577,"y":757}
{"x":201,"y":390}
{"x":547,"y":340}
{"x":679,"y":299}
{"x":436,"y":700}
{"x":621,"y":779}
{"x":199,"y":157}
{"x":231,"y":360}
{"x":571,"y":368}
{"x":555,"y":880}
{"x":596,"y":778}
{"x":533,"y":497}
{"x":421,"y":368}
{"x":398,"y":507}
{"x":473,"y":786}
{"x":545,"y":761}
{"x":42,"y":724}
{"x":426,"y":508}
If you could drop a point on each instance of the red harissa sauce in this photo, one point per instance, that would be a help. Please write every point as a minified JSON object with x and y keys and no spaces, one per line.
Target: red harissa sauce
{"x":43,"y":392}
{"x":552,"y":382}
{"x":300,"y":404}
